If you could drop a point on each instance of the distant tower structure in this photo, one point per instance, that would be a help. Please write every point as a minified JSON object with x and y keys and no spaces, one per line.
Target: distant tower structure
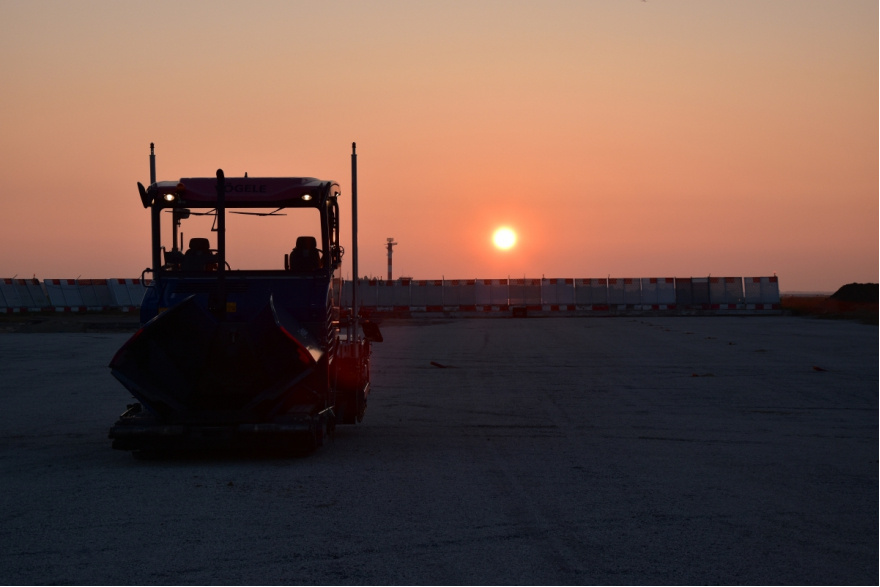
{"x":389,"y":246}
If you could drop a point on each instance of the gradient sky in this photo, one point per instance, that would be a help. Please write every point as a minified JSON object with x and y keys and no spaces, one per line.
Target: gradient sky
{"x":626,"y":138}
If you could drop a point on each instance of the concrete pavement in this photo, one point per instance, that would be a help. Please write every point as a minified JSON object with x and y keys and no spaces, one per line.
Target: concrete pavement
{"x":542,"y":451}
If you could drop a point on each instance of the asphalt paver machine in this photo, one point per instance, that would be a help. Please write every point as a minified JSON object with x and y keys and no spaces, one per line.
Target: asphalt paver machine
{"x":231,"y":356}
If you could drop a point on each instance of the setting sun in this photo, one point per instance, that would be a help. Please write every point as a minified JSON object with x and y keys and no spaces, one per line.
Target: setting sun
{"x":504,"y":238}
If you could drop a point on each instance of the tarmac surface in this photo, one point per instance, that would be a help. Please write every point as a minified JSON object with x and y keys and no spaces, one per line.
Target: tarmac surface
{"x":494,"y":451}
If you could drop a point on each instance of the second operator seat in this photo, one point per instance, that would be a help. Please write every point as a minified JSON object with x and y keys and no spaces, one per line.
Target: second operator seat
{"x":305,"y":256}
{"x":199,"y":255}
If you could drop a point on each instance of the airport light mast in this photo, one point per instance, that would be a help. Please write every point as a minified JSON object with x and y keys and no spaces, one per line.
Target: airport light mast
{"x":389,"y":246}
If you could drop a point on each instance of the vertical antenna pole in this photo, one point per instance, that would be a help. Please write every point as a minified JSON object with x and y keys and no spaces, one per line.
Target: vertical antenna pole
{"x":152,"y":165}
{"x":355,"y":310}
{"x":154,"y":220}
{"x":391,"y":243}
{"x":221,"y":243}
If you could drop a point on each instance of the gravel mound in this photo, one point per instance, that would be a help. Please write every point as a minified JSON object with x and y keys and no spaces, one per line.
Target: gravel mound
{"x":861,"y":293}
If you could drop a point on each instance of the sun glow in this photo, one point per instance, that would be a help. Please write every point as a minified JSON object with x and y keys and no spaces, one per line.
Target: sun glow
{"x":504,"y":238}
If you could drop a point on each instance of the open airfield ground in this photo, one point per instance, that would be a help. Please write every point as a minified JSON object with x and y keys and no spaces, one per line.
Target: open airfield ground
{"x":539,"y":451}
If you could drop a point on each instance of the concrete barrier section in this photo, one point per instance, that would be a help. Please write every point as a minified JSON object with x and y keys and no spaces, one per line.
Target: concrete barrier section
{"x":615,"y":292}
{"x":55,"y":293}
{"x":684,"y":295}
{"x":761,"y":291}
{"x":624,"y":292}
{"x":368,"y":292}
{"x":591,"y":293}
{"x":36,"y":294}
{"x":95,"y":294}
{"x":650,"y":293}
{"x":460,"y":294}
{"x":583,"y":291}
{"x":126,"y":294}
{"x":559,"y":292}
{"x":492,"y":292}
{"x":484,"y":296}
{"x":89,"y":294}
{"x":426,"y":295}
{"x":65,"y":295}
{"x":599,"y":293}
{"x":385,"y":292}
{"x":700,"y":292}
{"x":725,"y":292}
{"x":752,"y":290}
{"x":525,"y":292}
{"x":401,"y":294}
{"x":770,"y":290}
{"x":119,"y":294}
{"x":137,"y":289}
{"x":658,"y":293}
{"x":632,"y":291}
{"x":10,"y":296}
{"x":453,"y":291}
{"x":22,"y":295}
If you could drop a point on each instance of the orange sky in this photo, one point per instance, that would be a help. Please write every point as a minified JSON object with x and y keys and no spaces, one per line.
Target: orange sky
{"x":626,"y":138}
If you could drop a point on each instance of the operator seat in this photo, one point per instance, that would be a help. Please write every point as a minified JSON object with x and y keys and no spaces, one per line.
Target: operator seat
{"x":198,"y":256}
{"x":305,"y":256}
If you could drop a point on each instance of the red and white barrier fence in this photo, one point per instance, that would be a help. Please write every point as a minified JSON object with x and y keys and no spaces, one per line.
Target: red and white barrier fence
{"x":450,"y":296}
{"x":70,"y":295}
{"x":594,"y":296}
